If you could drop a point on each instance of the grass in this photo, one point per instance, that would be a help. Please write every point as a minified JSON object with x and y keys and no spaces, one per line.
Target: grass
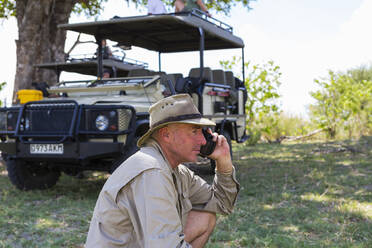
{"x":292,"y":195}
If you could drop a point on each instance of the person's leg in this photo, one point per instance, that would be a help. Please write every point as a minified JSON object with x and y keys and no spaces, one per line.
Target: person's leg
{"x":179,"y":5}
{"x":199,"y":226}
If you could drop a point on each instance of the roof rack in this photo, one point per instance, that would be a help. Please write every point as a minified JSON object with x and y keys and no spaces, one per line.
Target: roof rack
{"x":203,"y":15}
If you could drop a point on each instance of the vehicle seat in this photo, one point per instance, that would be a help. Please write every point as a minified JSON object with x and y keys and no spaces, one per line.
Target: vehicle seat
{"x":230,"y":80}
{"x":207,"y":74}
{"x":219,"y":77}
{"x":174,"y":77}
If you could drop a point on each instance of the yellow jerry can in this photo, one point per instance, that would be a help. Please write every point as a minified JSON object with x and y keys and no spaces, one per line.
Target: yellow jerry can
{"x":27,"y":95}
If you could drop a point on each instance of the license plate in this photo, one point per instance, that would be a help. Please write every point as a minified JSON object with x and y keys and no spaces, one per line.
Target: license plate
{"x":46,"y":148}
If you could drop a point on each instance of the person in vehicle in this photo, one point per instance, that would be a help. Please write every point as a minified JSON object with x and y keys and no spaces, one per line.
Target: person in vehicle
{"x":106,"y":51}
{"x":106,"y":73}
{"x":188,"y":5}
{"x":155,"y":7}
{"x":152,"y":200}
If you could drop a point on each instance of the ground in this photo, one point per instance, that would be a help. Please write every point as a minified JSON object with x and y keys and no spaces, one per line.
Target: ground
{"x":314,"y":194}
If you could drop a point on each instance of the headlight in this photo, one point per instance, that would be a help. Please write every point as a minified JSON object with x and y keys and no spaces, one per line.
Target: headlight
{"x":102,"y":122}
{"x":11,"y":121}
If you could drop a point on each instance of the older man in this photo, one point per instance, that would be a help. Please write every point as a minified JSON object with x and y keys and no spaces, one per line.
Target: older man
{"x":152,"y":200}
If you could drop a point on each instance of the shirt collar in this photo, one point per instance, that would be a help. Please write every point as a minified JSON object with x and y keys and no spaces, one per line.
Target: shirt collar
{"x":151,"y":142}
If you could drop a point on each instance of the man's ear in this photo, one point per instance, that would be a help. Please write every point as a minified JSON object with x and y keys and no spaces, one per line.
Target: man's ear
{"x":164,"y":134}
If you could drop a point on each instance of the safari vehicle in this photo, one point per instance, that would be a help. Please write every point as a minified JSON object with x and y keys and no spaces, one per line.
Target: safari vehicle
{"x":94,"y":124}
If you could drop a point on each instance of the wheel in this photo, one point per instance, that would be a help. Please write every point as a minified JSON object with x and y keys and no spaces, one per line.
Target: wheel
{"x":31,"y":175}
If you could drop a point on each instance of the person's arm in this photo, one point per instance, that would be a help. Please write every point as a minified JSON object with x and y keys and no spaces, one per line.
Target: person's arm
{"x":153,"y":210}
{"x":203,"y":7}
{"x":219,"y":197}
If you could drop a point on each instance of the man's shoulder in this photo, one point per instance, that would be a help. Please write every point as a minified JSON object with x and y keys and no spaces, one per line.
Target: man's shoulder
{"x":146,"y":159}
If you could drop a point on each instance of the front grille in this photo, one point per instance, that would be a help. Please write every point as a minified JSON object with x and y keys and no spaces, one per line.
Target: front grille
{"x":48,"y":118}
{"x":58,"y":121}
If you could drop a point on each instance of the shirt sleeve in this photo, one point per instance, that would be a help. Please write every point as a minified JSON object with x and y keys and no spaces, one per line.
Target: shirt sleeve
{"x":220,"y":197}
{"x":151,"y":202}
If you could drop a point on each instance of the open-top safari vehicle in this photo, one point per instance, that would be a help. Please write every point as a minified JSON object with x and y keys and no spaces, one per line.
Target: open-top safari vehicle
{"x":94,"y":124}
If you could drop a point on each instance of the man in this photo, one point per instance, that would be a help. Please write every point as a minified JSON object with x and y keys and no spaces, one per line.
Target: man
{"x":152,"y":200}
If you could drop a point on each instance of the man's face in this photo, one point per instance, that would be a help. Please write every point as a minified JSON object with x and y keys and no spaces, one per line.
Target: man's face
{"x":186,"y":140}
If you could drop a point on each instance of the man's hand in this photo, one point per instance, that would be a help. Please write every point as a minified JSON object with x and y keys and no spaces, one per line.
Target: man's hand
{"x":221,"y":154}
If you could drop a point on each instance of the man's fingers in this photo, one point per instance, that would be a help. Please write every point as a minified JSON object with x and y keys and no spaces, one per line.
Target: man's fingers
{"x":220,"y":139}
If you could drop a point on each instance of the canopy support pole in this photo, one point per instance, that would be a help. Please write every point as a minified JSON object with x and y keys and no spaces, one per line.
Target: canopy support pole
{"x":243,"y":67}
{"x":201,"y":51}
{"x":159,"y":58}
{"x":99,"y":57}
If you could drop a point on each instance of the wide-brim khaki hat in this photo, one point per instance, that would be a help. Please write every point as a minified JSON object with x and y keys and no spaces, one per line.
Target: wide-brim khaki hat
{"x":173,"y":109}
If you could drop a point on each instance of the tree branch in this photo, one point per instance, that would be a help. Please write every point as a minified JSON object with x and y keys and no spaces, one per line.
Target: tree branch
{"x":77,"y":42}
{"x":293,"y":138}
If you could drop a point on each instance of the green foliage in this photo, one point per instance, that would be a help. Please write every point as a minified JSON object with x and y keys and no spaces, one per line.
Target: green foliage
{"x":254,"y":137}
{"x":7,"y":8}
{"x":286,"y":125}
{"x":226,"y":5}
{"x":2,"y":85}
{"x":262,"y":83}
{"x":89,"y":7}
{"x":344,"y":104}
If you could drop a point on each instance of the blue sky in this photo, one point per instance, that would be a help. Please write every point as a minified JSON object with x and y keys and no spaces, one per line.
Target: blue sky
{"x":305,"y":38}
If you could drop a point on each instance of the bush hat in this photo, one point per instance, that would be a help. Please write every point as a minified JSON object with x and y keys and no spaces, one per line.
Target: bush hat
{"x":173,"y":109}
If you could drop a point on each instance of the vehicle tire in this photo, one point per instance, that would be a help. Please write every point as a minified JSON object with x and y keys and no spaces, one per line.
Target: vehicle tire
{"x":31,"y":175}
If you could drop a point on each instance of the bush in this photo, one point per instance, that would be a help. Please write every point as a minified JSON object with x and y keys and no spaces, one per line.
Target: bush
{"x":344,"y":104}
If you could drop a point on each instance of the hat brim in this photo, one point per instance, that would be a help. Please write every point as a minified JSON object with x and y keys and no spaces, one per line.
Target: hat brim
{"x":199,"y":122}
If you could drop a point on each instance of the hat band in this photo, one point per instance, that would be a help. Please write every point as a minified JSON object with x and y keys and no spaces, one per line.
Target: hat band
{"x":177,"y":118}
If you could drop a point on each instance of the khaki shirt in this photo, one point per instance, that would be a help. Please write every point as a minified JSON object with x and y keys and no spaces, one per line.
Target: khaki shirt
{"x":145,"y":202}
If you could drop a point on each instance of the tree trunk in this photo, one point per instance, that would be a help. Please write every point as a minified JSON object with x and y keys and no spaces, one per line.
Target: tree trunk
{"x":39,"y":39}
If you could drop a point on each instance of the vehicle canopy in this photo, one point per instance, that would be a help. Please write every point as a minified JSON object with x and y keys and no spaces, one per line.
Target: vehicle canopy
{"x":162,"y":33}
